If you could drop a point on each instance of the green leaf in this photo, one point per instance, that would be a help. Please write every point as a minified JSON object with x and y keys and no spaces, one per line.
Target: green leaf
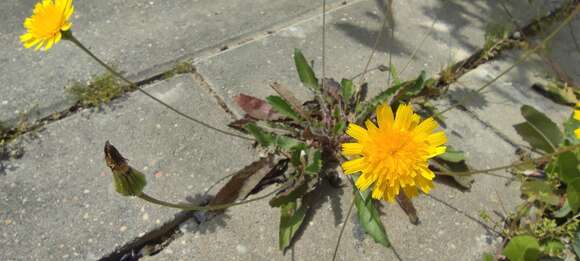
{"x":297,"y":153}
{"x":364,"y":110}
{"x":452,"y":155}
{"x":522,"y":248}
{"x":563,"y":211}
{"x":347,"y":89}
{"x":369,"y":218}
{"x":305,"y":72}
{"x":263,"y":138}
{"x":285,"y":143}
{"x":416,"y":88}
{"x":540,"y":190}
{"x":573,"y":194}
{"x":394,"y":74}
{"x":576,"y":243}
{"x":553,"y":248}
{"x":460,"y":166}
{"x":281,"y":106}
{"x":339,"y":127}
{"x":538,"y":130}
{"x":487,"y":257}
{"x":569,"y":127}
{"x":291,"y":218}
{"x":568,"y":167}
{"x":315,"y":163}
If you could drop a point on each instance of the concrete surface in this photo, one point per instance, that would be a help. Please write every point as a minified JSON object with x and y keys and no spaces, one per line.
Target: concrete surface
{"x":136,"y":36}
{"x":58,"y":201}
{"x":458,"y":32}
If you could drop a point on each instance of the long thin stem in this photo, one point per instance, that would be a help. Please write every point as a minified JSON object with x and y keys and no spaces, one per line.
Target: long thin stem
{"x":198,"y":208}
{"x":419,"y":46}
{"x":69,"y":36}
{"x":342,"y":229}
{"x":323,"y":42}
{"x":375,"y":45}
{"x":516,"y":164}
{"x":523,"y":58}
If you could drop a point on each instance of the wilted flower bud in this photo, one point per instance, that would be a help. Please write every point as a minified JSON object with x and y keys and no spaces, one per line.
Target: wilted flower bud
{"x":128,"y":181}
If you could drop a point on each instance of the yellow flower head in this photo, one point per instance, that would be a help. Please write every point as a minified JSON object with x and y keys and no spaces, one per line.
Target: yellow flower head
{"x":394,"y":155}
{"x":48,"y":20}
{"x":577,"y":117}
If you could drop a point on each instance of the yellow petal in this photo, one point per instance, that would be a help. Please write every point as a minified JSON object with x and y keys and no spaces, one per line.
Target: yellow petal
{"x":437,"y":139}
{"x":353,"y":166}
{"x":25,"y":37}
{"x":577,"y":114}
{"x":427,"y":173}
{"x":371,"y":127}
{"x":349,"y":149}
{"x":31,"y":43}
{"x":42,"y":42}
{"x":404,"y":117}
{"x":385,"y":116}
{"x":49,"y":44}
{"x":66,"y":26}
{"x":426,"y":127}
{"x":410,"y":191}
{"x":437,"y":151}
{"x":364,"y":181}
{"x":424,"y":184}
{"x":577,"y":133}
{"x":357,"y":132}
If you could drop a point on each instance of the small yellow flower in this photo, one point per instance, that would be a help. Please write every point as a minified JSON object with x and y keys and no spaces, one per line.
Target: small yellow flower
{"x":49,"y":19}
{"x":394,"y":154}
{"x":577,"y":117}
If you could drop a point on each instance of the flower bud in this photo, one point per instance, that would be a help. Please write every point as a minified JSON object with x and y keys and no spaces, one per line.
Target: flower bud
{"x":128,"y":181}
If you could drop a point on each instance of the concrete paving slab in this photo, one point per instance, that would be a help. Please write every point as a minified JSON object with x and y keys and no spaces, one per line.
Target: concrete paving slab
{"x":499,"y":104}
{"x":450,"y":227}
{"x":351,"y":32}
{"x":58,"y":203}
{"x":139,"y":37}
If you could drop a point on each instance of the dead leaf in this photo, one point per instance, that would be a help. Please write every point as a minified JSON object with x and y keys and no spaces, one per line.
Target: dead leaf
{"x":407,"y":206}
{"x":256,"y":108}
{"x":243,"y":182}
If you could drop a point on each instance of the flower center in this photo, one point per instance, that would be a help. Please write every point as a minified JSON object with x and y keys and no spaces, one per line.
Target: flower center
{"x":48,"y":22}
{"x":395,"y":150}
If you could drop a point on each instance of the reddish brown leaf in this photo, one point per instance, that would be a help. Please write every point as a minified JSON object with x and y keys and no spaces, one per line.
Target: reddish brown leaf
{"x":256,"y":108}
{"x":243,"y":182}
{"x":407,"y":206}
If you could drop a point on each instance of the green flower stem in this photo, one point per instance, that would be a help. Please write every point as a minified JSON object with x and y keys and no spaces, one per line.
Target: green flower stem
{"x":342,"y":229}
{"x":68,"y":35}
{"x":516,"y":164}
{"x":523,"y":58}
{"x":201,"y":208}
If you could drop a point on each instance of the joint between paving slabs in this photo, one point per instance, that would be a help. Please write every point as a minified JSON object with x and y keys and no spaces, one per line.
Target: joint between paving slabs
{"x":206,"y":86}
{"x":156,"y":240}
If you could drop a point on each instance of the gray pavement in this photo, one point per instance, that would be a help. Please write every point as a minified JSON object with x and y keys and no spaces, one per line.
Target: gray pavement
{"x":57,"y":201}
{"x":139,"y":37}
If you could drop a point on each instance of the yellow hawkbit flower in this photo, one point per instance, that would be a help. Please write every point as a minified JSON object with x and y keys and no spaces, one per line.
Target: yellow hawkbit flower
{"x":394,"y":155}
{"x":49,"y":19}
{"x":577,"y":117}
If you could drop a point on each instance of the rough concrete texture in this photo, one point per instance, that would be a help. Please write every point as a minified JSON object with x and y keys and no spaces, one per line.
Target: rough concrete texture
{"x":58,"y":201}
{"x":135,"y":36}
{"x":450,"y":227}
{"x":351,"y":31}
{"x":499,"y":104}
